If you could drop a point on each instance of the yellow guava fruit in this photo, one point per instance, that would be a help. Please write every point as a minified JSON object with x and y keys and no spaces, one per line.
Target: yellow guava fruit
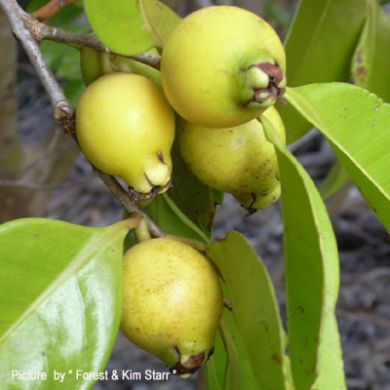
{"x":239,"y":160}
{"x":172,"y":303}
{"x":125,"y":127}
{"x":222,"y":66}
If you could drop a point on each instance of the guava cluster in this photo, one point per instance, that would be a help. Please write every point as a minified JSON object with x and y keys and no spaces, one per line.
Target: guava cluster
{"x":222,"y":70}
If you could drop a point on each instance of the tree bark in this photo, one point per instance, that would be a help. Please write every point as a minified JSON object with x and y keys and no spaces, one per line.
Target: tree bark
{"x":10,"y":155}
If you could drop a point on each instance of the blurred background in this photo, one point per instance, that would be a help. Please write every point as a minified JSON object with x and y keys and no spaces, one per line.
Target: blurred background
{"x":43,"y":174}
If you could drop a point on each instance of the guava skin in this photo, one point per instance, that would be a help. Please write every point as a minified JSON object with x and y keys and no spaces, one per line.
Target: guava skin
{"x":239,"y":160}
{"x":222,"y":66}
{"x":125,"y":127}
{"x":172,"y":303}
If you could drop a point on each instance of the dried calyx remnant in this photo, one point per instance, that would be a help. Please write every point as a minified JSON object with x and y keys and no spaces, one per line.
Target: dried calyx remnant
{"x":266,"y":83}
{"x":191,"y":364}
{"x":141,"y":197}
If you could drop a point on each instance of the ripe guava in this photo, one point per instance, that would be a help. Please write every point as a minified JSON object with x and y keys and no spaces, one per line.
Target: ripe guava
{"x":239,"y":160}
{"x":172,"y":303}
{"x":222,"y":66}
{"x":125,"y":127}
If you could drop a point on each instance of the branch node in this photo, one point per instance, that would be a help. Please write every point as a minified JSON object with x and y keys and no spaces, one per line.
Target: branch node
{"x":64,"y":114}
{"x":33,"y":26}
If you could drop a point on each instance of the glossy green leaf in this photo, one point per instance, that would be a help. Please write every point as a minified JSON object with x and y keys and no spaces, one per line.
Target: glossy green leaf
{"x":214,"y":370}
{"x":319,"y":47}
{"x":230,"y":366}
{"x":60,"y":300}
{"x":336,"y":178}
{"x":130,"y":26}
{"x":193,"y":197}
{"x":120,"y":25}
{"x":312,"y":280}
{"x":357,"y":126}
{"x":161,"y":19}
{"x":371,"y":62}
{"x":239,"y":373}
{"x":254,"y":308}
{"x":169,"y":217}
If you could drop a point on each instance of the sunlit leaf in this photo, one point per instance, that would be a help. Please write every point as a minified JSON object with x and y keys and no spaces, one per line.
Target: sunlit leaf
{"x":160,"y":18}
{"x":319,"y":48}
{"x":255,"y":309}
{"x":130,"y":26}
{"x":312,"y":279}
{"x":214,"y":370}
{"x":120,"y":25}
{"x":357,"y":126}
{"x":60,"y":300}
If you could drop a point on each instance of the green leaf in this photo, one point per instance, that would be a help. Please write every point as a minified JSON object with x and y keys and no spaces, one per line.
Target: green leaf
{"x":371,"y":62}
{"x":319,"y":47}
{"x":65,"y":63}
{"x":34,"y":5}
{"x":276,"y":13}
{"x":240,"y":374}
{"x":335,"y":179}
{"x":312,"y":279}
{"x":73,"y":90}
{"x":63,"y":60}
{"x":161,"y":19}
{"x":356,"y":124}
{"x":167,"y":215}
{"x":193,"y":197}
{"x":230,"y":366}
{"x":60,"y":294}
{"x":130,"y":26}
{"x":120,"y":25}
{"x":254,"y":308}
{"x":214,"y":370}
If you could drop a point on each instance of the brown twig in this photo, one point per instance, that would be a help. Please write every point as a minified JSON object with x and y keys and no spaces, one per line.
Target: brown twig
{"x":41,"y":31}
{"x":63,"y":111}
{"x":50,"y":9}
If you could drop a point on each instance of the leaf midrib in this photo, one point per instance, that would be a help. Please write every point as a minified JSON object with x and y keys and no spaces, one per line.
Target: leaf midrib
{"x":82,"y":258}
{"x":318,"y":123}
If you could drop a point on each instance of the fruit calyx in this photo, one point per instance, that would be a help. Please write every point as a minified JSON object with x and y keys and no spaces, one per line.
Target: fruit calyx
{"x":186,"y":366}
{"x":265,"y":82}
{"x":140,"y":196}
{"x":155,"y":179}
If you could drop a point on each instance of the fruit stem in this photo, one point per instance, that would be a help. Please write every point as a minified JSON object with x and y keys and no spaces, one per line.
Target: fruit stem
{"x":142,"y":231}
